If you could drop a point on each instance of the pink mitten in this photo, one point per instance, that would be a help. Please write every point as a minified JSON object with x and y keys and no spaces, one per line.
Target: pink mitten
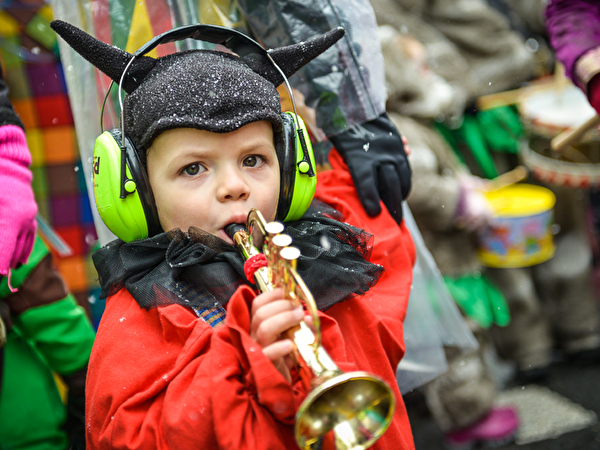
{"x":17,"y":204}
{"x":474,"y":210}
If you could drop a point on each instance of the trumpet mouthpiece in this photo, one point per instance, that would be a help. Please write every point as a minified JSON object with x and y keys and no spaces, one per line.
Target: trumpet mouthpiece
{"x":233,"y":228}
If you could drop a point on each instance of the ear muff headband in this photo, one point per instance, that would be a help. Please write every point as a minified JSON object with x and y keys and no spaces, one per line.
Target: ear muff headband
{"x":232,"y":39}
{"x":135,"y":202}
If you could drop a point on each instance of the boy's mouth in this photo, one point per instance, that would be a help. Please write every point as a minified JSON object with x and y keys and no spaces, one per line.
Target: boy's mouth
{"x":237,"y":218}
{"x":223,"y":235}
{"x":234,"y":224}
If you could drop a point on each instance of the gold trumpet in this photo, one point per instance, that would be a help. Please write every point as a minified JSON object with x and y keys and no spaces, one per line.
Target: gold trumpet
{"x":351,"y":410}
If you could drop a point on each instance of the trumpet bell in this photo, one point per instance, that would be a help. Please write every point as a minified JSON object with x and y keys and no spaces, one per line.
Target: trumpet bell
{"x":350,"y":409}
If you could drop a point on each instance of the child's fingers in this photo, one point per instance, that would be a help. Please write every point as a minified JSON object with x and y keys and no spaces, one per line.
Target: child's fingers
{"x":278,"y":349}
{"x":406,"y":147}
{"x":290,"y":361}
{"x":309,"y":321}
{"x":266,"y":297}
{"x":278,"y":354}
{"x":268,"y":310}
{"x":268,"y":330}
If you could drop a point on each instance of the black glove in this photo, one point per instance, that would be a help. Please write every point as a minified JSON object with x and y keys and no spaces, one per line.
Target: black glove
{"x":378,"y":164}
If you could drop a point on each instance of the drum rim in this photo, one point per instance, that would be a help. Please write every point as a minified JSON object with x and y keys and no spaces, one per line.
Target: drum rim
{"x":544,"y":202}
{"x":567,"y":173}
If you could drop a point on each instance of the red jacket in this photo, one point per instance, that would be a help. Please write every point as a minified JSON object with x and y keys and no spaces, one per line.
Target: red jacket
{"x":164,"y":379}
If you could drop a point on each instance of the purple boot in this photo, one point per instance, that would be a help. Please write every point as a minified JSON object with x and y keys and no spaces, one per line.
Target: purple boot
{"x":497,"y":428}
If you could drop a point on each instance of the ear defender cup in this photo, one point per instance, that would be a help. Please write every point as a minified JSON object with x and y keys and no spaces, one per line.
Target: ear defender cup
{"x":298,"y":179}
{"x":135,"y":216}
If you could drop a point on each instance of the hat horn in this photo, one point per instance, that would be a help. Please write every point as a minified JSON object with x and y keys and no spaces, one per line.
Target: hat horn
{"x":109,"y":59}
{"x":292,"y":57}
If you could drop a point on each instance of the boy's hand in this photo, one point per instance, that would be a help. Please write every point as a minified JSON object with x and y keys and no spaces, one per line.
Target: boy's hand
{"x":272,"y":315}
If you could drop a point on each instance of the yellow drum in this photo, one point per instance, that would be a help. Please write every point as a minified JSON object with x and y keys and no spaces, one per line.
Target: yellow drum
{"x":521,"y":233}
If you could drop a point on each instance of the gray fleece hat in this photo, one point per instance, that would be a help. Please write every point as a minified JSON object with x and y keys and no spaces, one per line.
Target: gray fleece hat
{"x":202,"y":89}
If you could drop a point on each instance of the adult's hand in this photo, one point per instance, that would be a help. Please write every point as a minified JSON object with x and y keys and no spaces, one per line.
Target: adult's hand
{"x":375,"y":155}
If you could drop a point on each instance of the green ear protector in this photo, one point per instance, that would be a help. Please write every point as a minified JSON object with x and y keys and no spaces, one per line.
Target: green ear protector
{"x":121,"y":188}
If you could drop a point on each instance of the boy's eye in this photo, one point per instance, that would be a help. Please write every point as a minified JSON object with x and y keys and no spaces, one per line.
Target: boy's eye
{"x":192,"y":169}
{"x":252,"y":161}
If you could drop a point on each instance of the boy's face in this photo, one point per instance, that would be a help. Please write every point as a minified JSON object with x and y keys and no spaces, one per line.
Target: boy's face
{"x":209,"y":180}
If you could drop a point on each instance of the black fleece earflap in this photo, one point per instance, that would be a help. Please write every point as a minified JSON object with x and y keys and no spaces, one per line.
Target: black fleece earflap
{"x":121,"y":189}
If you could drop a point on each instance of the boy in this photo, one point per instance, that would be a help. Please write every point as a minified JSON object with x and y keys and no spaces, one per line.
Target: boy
{"x":187,"y":355}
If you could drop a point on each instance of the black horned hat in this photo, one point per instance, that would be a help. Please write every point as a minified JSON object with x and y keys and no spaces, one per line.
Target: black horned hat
{"x":203,"y":89}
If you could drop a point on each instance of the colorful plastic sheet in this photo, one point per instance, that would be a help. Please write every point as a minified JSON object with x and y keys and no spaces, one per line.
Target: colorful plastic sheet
{"x":35,"y":79}
{"x":432,"y":322}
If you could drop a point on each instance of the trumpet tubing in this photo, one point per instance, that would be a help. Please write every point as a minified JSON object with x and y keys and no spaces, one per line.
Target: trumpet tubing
{"x":348,"y":410}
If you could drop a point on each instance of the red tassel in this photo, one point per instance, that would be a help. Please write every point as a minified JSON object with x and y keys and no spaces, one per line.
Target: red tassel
{"x":253,"y":264}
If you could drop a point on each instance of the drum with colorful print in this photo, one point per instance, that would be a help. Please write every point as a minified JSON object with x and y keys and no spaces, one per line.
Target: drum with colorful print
{"x":521,"y":233}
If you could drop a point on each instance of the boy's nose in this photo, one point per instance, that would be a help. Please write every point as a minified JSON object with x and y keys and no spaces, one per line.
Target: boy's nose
{"x":232,"y":186}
